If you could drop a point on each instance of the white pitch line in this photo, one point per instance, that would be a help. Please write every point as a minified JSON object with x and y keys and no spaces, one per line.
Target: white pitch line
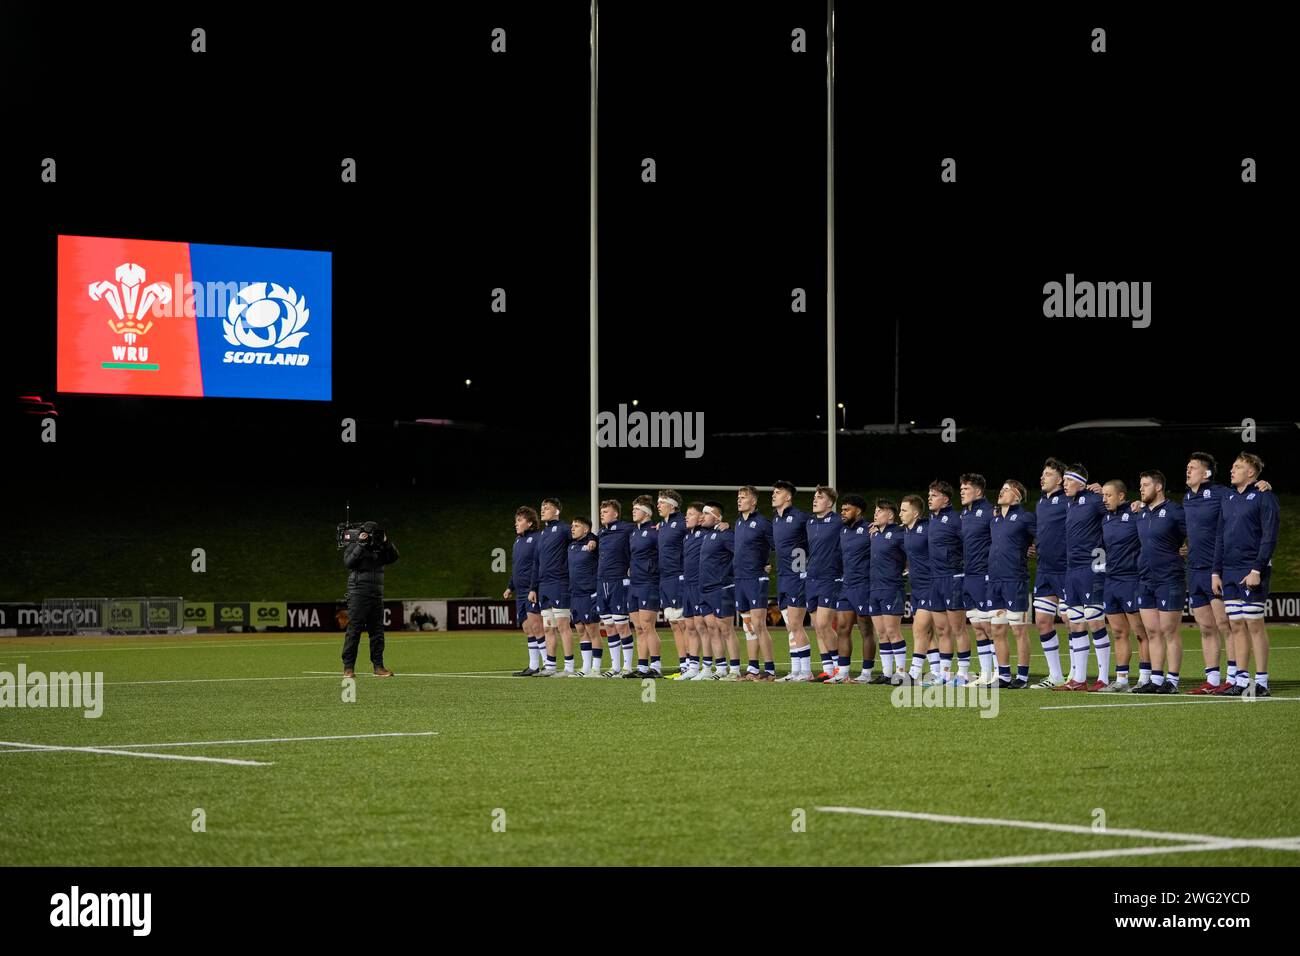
{"x":1272,"y":843}
{"x":136,"y":753}
{"x":32,"y":748}
{"x":90,"y":649}
{"x":200,"y":680}
{"x":1081,"y":855}
{"x":1288,"y":843}
{"x":483,"y":675}
{"x":1165,"y":703}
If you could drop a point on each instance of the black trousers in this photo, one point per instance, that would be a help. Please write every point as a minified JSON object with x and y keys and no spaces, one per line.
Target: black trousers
{"x":365,"y":613}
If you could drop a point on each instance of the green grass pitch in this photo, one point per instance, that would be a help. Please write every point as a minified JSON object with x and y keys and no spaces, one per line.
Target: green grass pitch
{"x":570,"y":772}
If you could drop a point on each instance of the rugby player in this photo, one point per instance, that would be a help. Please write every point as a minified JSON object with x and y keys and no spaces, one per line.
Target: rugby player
{"x":1243,"y":563}
{"x":916,"y":540}
{"x":855,"y":593}
{"x":672,"y":578}
{"x":552,"y":589}
{"x":1006,"y":597}
{"x":643,"y":591}
{"x":1120,"y":538}
{"x":1084,"y":598}
{"x":717,"y":591}
{"x":790,"y":542}
{"x":523,"y":570}
{"x":947,"y":597}
{"x":753,"y":547}
{"x":888,"y":558}
{"x":582,"y":594}
{"x":1161,"y":531}
{"x":611,"y":586}
{"x":976,"y":519}
{"x":825,"y":576}
{"x":1201,"y":504}
{"x":1049,"y":574}
{"x":699,"y":638}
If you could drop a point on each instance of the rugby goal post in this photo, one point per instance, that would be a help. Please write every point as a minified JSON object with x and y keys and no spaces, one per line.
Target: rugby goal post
{"x":593,"y":305}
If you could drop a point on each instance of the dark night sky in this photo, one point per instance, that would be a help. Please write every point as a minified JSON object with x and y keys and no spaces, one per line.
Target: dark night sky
{"x":473,"y":174}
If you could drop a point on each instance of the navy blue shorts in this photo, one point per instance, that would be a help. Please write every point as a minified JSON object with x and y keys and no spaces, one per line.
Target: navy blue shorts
{"x":1010,"y":596}
{"x":671,"y":591}
{"x":973,"y":588}
{"x":611,"y":598}
{"x":751,"y":594}
{"x":821,"y":592}
{"x":947,"y":593}
{"x":584,"y":608}
{"x":524,"y":607}
{"x":921,"y":596}
{"x":1121,"y":594}
{"x":855,"y":597}
{"x":643,"y":597}
{"x":718,"y":602}
{"x":886,"y":602}
{"x":690,"y":599}
{"x":1162,"y":595}
{"x":790,"y":591}
{"x":553,"y":594}
{"x":1233,"y":590}
{"x":1049,"y":584}
{"x":1200,"y":590}
{"x":1083,"y":588}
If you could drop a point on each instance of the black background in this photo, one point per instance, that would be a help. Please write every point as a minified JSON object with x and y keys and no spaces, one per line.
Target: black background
{"x":473,"y":175}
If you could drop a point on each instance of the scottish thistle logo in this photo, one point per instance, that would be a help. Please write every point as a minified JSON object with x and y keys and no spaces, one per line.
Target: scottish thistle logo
{"x":264,"y":315}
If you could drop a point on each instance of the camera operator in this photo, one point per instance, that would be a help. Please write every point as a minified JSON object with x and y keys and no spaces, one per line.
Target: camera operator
{"x":365,"y":558}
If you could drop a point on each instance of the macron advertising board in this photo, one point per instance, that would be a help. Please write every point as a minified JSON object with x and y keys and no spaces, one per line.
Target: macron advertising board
{"x":140,"y":317}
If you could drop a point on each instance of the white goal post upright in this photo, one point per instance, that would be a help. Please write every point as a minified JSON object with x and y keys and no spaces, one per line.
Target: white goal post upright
{"x":593,"y":397}
{"x":830,"y":244}
{"x":593,"y":305}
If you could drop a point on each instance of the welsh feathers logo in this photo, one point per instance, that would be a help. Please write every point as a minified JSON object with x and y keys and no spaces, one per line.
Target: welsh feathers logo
{"x":259,"y":317}
{"x":129,"y":301}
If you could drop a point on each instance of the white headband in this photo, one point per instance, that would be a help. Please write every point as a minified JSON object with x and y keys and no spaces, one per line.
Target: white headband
{"x":668,"y":501}
{"x":710,"y":510}
{"x":1077,"y":477}
{"x":642,"y":508}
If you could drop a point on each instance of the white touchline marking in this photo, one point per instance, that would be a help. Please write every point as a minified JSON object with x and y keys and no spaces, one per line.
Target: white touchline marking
{"x":199,"y":680}
{"x":252,"y":642}
{"x":1273,"y":843}
{"x":487,"y":675}
{"x":136,"y":753}
{"x":33,"y":748}
{"x":1165,"y":703}
{"x":91,"y":649}
{"x":1086,"y":855}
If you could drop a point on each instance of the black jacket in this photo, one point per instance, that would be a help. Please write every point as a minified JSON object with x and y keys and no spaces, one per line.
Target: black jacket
{"x":366,"y":565}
